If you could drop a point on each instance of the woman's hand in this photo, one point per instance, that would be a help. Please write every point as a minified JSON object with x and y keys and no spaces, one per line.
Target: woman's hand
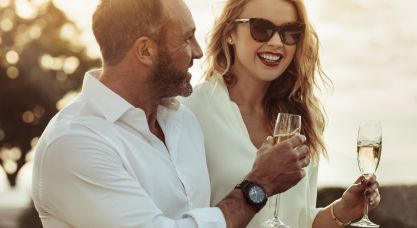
{"x":353,"y":199}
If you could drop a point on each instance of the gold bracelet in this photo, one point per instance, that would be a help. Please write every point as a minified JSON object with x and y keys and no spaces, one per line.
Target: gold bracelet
{"x":336,"y":219}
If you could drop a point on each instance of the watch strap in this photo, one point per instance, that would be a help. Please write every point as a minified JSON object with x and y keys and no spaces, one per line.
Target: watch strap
{"x":244,"y":186}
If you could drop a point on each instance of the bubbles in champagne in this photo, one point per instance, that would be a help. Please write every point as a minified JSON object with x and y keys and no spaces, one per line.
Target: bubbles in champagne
{"x":282,"y":137}
{"x":368,"y":158}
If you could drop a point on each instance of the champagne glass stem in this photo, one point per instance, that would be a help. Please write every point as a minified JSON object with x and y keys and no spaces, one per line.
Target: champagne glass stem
{"x":365,"y":207}
{"x":286,"y":126}
{"x":277,"y":200}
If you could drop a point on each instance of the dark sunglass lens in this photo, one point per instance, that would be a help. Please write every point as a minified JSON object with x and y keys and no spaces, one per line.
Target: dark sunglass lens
{"x":261,"y":29}
{"x":291,"y":34}
{"x":291,"y":37}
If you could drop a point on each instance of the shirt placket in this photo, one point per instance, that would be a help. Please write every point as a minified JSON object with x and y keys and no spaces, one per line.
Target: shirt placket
{"x":172,"y":131}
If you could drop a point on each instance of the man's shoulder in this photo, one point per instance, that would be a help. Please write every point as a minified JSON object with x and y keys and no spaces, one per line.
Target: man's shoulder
{"x":76,"y":120}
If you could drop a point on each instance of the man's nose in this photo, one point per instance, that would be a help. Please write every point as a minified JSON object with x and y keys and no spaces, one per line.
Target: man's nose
{"x":196,"y":50}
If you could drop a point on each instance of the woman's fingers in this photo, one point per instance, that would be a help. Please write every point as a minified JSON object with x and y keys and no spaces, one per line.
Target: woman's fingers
{"x":372,"y":186}
{"x":372,"y":192}
{"x":374,"y":199}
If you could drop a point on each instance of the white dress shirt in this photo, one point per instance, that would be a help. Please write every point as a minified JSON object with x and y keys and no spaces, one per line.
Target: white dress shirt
{"x":98,"y":165}
{"x":231,"y":153}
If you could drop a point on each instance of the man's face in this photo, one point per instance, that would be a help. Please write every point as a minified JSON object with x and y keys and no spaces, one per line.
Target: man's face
{"x":177,"y":50}
{"x":170,"y":78}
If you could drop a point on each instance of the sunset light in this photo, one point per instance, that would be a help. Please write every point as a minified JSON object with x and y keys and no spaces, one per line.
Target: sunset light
{"x":341,"y":62}
{"x":47,"y":46}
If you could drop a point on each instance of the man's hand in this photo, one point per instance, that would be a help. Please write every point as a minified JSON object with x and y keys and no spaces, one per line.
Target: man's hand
{"x":279,"y":167}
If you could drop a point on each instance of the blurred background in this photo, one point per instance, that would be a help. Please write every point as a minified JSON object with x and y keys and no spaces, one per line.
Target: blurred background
{"x":368,"y":49}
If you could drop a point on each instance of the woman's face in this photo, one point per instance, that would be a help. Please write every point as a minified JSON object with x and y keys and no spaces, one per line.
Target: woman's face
{"x":267,"y":60}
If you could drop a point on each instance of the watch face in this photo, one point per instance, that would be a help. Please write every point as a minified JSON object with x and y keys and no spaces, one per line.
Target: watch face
{"x":256,"y":194}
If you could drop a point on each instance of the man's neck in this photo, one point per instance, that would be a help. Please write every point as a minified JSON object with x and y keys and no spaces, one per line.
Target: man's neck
{"x":135,"y":89}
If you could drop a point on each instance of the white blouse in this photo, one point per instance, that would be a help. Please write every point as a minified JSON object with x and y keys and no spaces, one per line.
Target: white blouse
{"x":230,"y":156}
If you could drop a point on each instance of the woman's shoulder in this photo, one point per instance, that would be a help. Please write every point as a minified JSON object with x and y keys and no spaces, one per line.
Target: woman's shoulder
{"x":202,"y":93}
{"x":204,"y":88}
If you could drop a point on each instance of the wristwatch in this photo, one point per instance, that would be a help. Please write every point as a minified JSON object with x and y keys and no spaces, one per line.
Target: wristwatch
{"x":254,"y":194}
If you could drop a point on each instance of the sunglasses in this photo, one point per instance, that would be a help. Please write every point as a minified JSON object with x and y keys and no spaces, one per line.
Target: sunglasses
{"x":263,"y":30}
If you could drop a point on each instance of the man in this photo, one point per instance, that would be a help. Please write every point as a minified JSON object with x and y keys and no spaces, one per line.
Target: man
{"x":125,"y":153}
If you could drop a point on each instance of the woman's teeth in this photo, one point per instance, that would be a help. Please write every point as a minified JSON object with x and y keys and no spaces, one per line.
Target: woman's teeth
{"x":270,"y":57}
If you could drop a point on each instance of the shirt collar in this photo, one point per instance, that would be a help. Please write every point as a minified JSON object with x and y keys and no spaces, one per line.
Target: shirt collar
{"x":110,"y":103}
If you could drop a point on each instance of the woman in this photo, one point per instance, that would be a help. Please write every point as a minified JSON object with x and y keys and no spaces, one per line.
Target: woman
{"x":262,"y":60}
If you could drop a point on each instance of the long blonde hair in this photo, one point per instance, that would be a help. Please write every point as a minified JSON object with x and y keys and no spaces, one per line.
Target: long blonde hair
{"x":293,"y":91}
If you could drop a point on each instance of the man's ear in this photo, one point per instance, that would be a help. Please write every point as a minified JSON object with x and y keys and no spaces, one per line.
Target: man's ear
{"x":145,"y":50}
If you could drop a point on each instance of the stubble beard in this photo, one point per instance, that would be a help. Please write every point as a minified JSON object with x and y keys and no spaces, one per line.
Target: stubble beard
{"x":167,"y":80}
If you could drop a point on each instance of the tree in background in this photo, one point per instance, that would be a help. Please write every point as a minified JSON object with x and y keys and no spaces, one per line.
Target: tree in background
{"x":41,"y":60}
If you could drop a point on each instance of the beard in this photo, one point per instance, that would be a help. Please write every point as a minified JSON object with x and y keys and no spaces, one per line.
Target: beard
{"x":168,"y":80}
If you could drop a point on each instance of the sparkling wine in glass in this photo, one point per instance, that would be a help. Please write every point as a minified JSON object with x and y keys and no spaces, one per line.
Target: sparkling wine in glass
{"x":286,"y":126}
{"x":369,"y":153}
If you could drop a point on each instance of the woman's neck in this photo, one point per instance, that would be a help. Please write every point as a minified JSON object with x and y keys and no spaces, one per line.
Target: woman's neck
{"x":248,"y":92}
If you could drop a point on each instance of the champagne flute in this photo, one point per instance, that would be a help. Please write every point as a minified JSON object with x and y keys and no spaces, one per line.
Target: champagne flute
{"x":369,"y":153}
{"x":286,"y":126}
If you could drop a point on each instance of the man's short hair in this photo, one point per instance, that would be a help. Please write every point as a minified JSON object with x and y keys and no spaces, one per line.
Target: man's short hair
{"x":118,"y":23}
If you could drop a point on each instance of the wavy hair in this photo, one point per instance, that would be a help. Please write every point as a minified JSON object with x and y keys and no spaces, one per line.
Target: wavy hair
{"x":293,"y":91}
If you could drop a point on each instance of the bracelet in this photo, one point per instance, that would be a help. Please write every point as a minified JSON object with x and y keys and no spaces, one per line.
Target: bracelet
{"x":336,"y":219}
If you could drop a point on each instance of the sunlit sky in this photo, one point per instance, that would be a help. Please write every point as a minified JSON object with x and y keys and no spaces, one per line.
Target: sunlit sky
{"x":371,"y":59}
